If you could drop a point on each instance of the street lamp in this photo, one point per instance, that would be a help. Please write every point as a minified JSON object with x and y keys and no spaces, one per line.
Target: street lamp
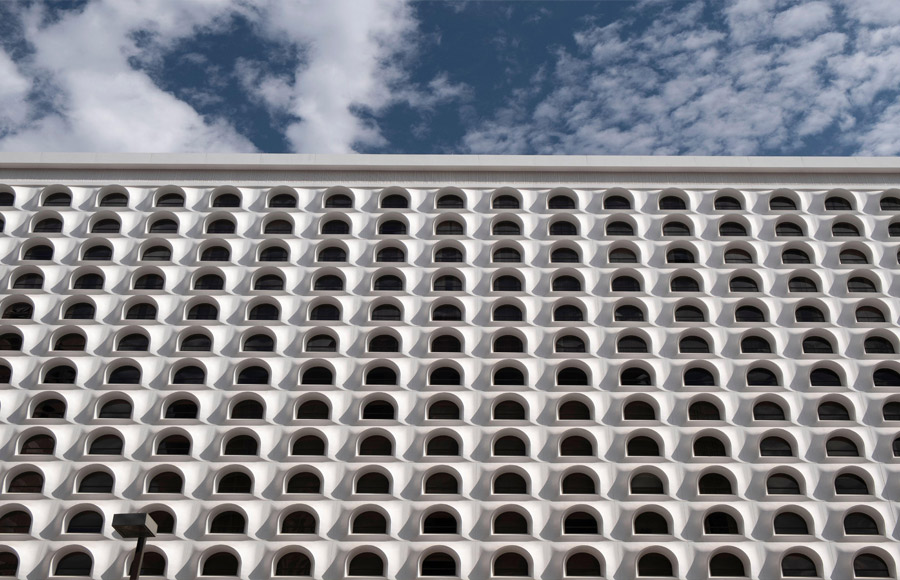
{"x":140,"y":526}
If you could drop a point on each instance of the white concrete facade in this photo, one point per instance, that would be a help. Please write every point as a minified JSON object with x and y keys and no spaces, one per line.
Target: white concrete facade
{"x":121,"y":306}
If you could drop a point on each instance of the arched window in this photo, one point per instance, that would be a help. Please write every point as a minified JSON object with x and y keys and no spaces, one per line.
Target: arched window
{"x":48,"y":226}
{"x":853,"y":257}
{"x":75,"y":563}
{"x":438,"y":564}
{"x":450,"y":255}
{"x":743,"y":284}
{"x":394,"y":201}
{"x":798,"y":565}
{"x":26,"y":482}
{"x":859,"y":523}
{"x":304,"y":482}
{"x":335,"y":227}
{"x":726,"y":564}
{"x":860,"y":284}
{"x":505,"y":202}
{"x":625,"y":284}
{"x":574,"y":411}
{"x":196,"y":342}
{"x":366,"y":564}
{"x":576,"y":446}
{"x":49,"y":409}
{"x":738,"y":257}
{"x":388,"y":283}
{"x":440,"y":523}
{"x":392,"y":228}
{"x":720,"y":523}
{"x":174,"y":445}
{"x":579,"y":483}
{"x":157,"y":282}
{"x":508,"y":343}
{"x":453,"y":228}
{"x":680,"y":256}
{"x":619,"y":228}
{"x":775,"y":447}
{"x":732,"y":229}
{"x":203,"y":312}
{"x":279,"y":254}
{"x":441,"y":483}
{"x":571,"y":376}
{"x":646,"y":484}
{"x":281,"y":227}
{"x":299,"y":522}
{"x":253,"y":375}
{"x":338,"y":200}
{"x":386,"y":255}
{"x":564,"y":255}
{"x":328,"y":282}
{"x":511,"y":564}
{"x":726,"y":202}
{"x":714,"y":484}
{"x":693,"y":344}
{"x":215,"y":254}
{"x":106,"y":226}
{"x":782,"y":484}
{"x":376,"y":445}
{"x":886,"y":378}
{"x":114,"y":200}
{"x":891,"y":411}
{"x":709,"y":447}
{"x":221,"y":226}
{"x":381,"y":376}
{"x":506,"y":255}
{"x":450,"y":201}
{"x":220,"y":564}
{"x":622,"y":256}
{"x":235,"y":482}
{"x":639,"y":411}
{"x":321,"y":343}
{"x":313,"y":410}
{"x":627,"y":313}
{"x":447,"y":343}
{"x":509,"y":445}
{"x":642,"y":446}
{"x":676,"y":229}
{"x":616,"y":202}
{"x":790,"y":523}
{"x":15,"y":522}
{"x":226,"y":200}
{"x":506,"y":228}
{"x":509,"y":376}
{"x":283,"y":200}
{"x":241,"y":445}
{"x":817,"y":345}
{"x":749,"y":314}
{"x":703,"y":410}
{"x":447,"y":312}
{"x":563,"y":228}
{"x":133,"y":342}
{"x":809,"y":314}
{"x":448,"y":283}
{"x":86,"y":522}
{"x":19,"y":311}
{"x":60,"y":375}
{"x":565,"y":313}
{"x":166,"y":482}
{"x":560,"y":202}
{"x":41,"y":252}
{"x":507,"y":284}
{"x":841,"y":447}
{"x":636,"y":377}
{"x":869,"y":314}
{"x":99,"y":253}
{"x":106,"y":445}
{"x":181,"y":409}
{"x":844,"y":229}
{"x":444,"y":376}
{"x":850,"y":484}
{"x":317,"y":376}
{"x":768,"y":411}
{"x":311,"y":445}
{"x":755,"y":345}
{"x":654,"y":564}
{"x":443,"y":410}
{"x":96,"y":482}
{"x":270,"y":282}
{"x":370,"y":522}
{"x":566,"y":284}
{"x":670,"y":202}
{"x":88,"y":282}
{"x":689,"y":314}
{"x":684,"y":284}
{"x":870,"y":566}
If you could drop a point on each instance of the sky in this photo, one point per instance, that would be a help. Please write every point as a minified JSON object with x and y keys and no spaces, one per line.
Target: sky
{"x":655,"y":77}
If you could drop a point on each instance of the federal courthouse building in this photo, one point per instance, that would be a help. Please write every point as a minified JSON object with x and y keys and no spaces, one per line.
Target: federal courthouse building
{"x":466,"y":367}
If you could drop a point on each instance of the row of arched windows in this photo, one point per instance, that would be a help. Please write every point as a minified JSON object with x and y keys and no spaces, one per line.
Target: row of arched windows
{"x":504,"y":198}
{"x":504,"y":563}
{"x":503,"y":408}
{"x":579,"y":520}
{"x":250,"y":374}
{"x":505,"y":444}
{"x":272,"y":281}
{"x":220,"y":251}
{"x":715,"y":481}
{"x":166,"y":224}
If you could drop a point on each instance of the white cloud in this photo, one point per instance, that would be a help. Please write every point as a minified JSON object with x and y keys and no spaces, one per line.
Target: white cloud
{"x":14,"y":90}
{"x":761,"y":76}
{"x":353,"y":64}
{"x":803,"y":20}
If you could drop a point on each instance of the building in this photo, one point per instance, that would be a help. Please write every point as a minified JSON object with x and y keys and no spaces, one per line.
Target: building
{"x":471,"y":367}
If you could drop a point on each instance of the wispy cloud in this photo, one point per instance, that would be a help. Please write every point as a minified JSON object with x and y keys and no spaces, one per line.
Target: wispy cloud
{"x":709,"y":77}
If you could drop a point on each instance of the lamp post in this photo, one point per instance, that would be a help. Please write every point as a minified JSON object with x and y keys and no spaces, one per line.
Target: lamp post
{"x":140,"y":526}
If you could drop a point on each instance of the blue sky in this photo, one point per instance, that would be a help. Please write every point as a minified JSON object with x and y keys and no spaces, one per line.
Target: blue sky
{"x":664,"y":77}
